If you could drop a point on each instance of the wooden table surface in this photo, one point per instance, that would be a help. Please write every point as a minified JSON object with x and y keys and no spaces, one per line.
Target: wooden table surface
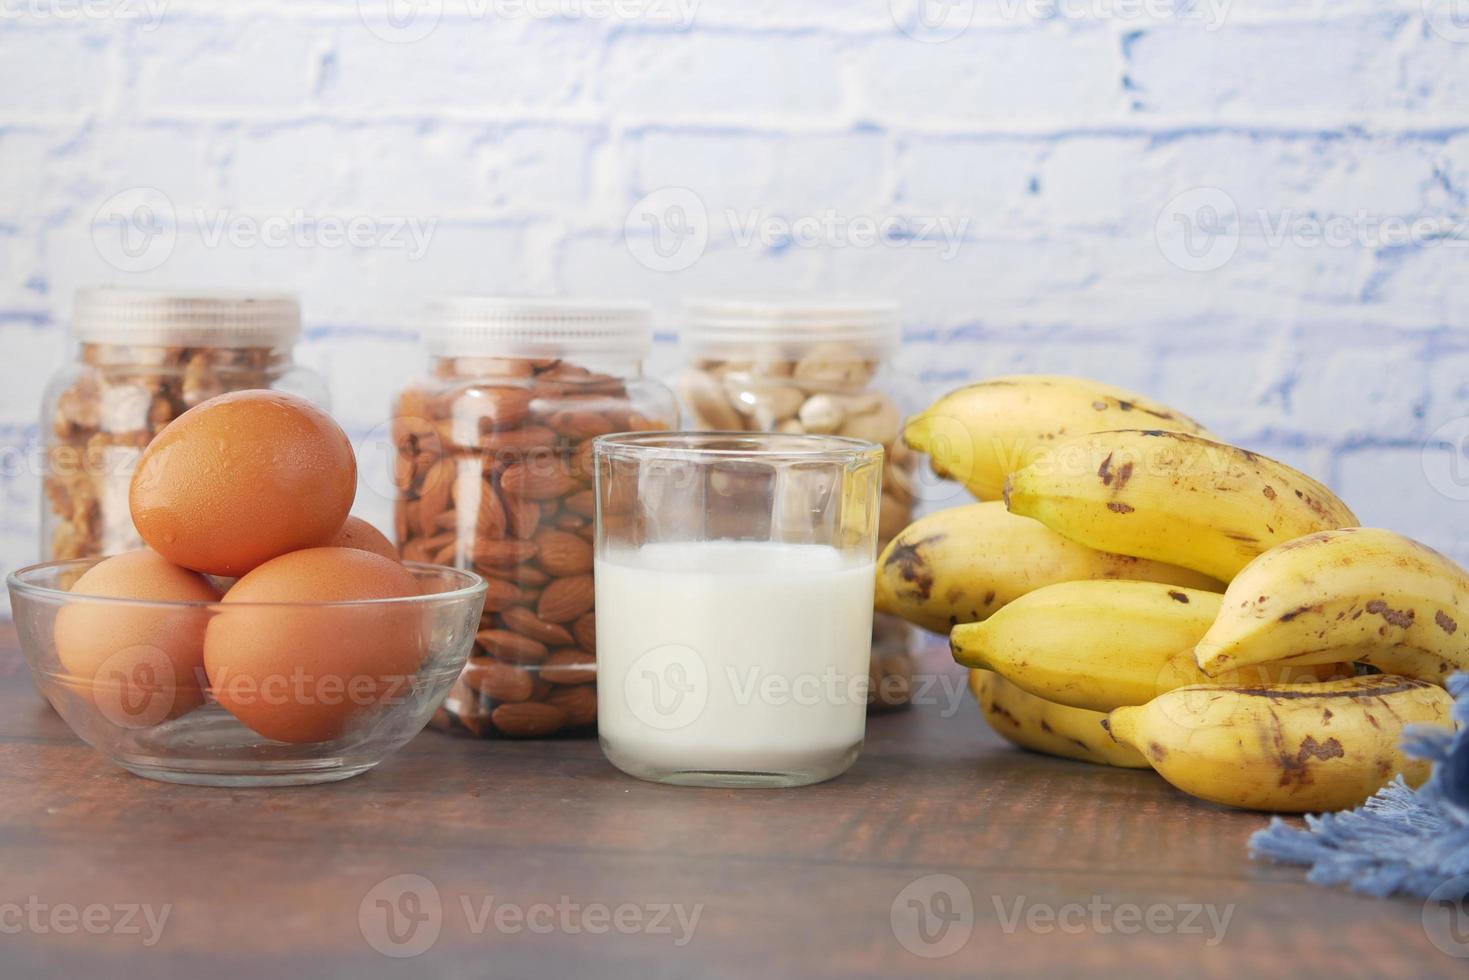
{"x":546,"y":862}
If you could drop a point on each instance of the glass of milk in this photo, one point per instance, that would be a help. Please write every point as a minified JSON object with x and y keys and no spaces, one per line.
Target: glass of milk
{"x":734,"y":578}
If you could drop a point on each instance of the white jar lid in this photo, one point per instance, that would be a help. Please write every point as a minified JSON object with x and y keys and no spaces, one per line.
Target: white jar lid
{"x":732,"y":327}
{"x":499,"y":326}
{"x":185,"y":318}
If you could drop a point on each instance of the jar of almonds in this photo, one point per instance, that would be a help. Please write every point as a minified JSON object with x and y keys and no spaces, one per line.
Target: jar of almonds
{"x":818,"y":367}
{"x":494,"y":473}
{"x":143,"y":358}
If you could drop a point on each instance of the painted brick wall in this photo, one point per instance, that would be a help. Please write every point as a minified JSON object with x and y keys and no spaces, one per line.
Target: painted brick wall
{"x":1252,"y":208}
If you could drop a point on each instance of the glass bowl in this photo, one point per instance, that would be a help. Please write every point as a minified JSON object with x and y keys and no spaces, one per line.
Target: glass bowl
{"x":138,"y":692}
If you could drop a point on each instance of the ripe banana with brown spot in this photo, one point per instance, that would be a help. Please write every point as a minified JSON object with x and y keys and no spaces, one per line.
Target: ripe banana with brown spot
{"x":1173,"y":497}
{"x":1351,"y":594}
{"x":1031,"y":723}
{"x":1288,"y":748}
{"x":1103,"y":645}
{"x":983,"y":432}
{"x":963,"y":564}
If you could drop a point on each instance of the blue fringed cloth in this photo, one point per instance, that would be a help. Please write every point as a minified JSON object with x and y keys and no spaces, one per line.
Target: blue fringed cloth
{"x":1401,"y":840}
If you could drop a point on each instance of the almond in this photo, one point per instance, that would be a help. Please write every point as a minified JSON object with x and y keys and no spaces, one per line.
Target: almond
{"x":504,"y":553}
{"x":582,"y":464}
{"x":579,"y":703}
{"x":524,"y":622}
{"x":569,"y":522}
{"x":496,"y":408}
{"x":424,"y":549}
{"x":525,"y":517}
{"x":581,"y":425}
{"x":567,"y":598}
{"x":582,"y":503}
{"x":529,"y":719}
{"x":570,"y":666}
{"x":525,"y":576}
{"x":563,"y":553}
{"x":500,"y":595}
{"x":499,"y":681}
{"x":512,"y":647}
{"x":538,"y":478}
{"x":433,"y":496}
{"x":585,"y":631}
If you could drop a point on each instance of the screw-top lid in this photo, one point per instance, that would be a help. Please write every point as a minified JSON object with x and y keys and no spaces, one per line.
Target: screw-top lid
{"x":497,"y":326}
{"x":185,"y":318}
{"x":732,"y":327}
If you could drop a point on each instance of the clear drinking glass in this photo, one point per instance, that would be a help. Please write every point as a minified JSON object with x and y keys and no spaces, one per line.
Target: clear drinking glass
{"x":734,"y":579}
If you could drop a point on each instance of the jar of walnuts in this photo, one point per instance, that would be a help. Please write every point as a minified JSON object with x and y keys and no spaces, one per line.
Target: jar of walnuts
{"x":143,"y":358}
{"x":818,"y":367}
{"x":494,"y":472}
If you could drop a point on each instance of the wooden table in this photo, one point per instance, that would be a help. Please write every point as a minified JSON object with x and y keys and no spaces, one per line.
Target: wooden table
{"x":1060,"y":862}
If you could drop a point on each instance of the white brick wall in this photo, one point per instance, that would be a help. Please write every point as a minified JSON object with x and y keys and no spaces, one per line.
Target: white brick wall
{"x":1063,"y":143}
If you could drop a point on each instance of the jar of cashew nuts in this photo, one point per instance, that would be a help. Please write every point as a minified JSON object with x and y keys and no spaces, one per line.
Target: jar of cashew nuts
{"x":143,"y":357}
{"x":815,"y":367}
{"x":494,"y":473}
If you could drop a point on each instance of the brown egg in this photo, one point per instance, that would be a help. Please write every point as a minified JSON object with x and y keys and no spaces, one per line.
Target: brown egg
{"x":239,"y":479}
{"x":298,"y":673}
{"x":139,"y":665}
{"x":359,"y":534}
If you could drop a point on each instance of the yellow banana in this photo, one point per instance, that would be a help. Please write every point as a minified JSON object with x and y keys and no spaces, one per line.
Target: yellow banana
{"x":1290,"y":748}
{"x":982,"y":433}
{"x":963,"y":564}
{"x":1173,"y":497}
{"x":1351,"y":594}
{"x":1041,"y":726}
{"x":1103,"y":645}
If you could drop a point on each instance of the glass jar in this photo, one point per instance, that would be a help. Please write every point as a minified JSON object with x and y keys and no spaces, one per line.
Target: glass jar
{"x":493,"y":469}
{"x":819,"y":368}
{"x":143,"y":358}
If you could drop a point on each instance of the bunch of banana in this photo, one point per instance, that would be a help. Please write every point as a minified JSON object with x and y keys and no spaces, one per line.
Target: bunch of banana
{"x":964,"y":564}
{"x":1105,"y":645}
{"x":1290,"y":748}
{"x":1350,"y":594}
{"x":1173,"y":497}
{"x":1031,"y":723}
{"x":982,"y":433}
